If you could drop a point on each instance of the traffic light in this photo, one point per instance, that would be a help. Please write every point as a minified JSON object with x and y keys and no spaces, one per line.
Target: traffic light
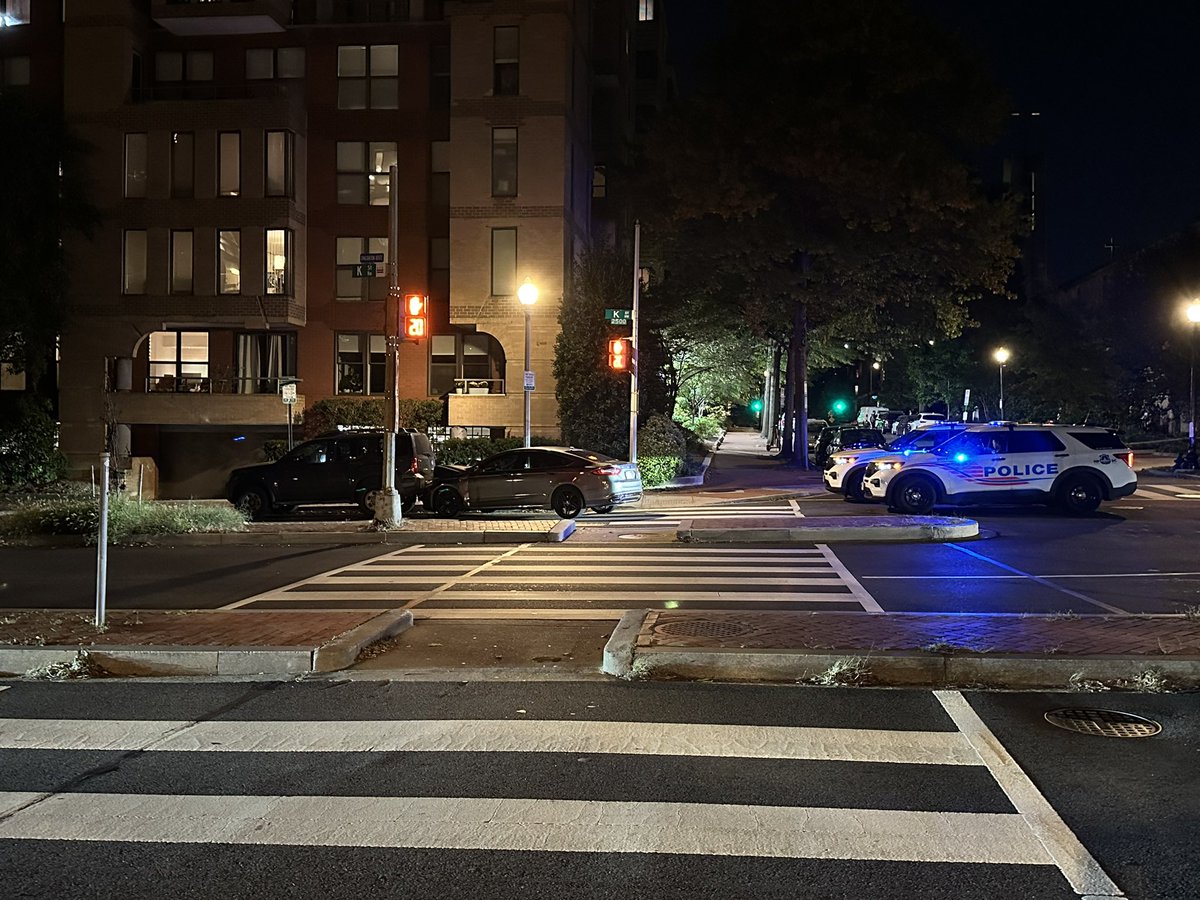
{"x":756,"y":405}
{"x":416,"y":306}
{"x":839,"y":407}
{"x":618,"y":355}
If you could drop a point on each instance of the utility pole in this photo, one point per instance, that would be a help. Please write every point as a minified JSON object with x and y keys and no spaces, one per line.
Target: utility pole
{"x":633,"y":347}
{"x":387,"y":504}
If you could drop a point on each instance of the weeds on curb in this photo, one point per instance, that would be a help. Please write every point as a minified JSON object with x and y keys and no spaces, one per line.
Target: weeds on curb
{"x":847,"y":671}
{"x":1080,"y":682}
{"x":1148,"y":681}
{"x":82,"y":666}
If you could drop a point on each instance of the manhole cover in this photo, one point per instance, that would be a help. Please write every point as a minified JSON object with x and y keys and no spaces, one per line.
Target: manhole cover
{"x":1103,"y":722}
{"x":703,"y":629}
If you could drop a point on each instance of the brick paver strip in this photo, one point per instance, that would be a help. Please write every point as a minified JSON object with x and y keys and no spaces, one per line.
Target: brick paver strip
{"x":1070,"y":636}
{"x":202,"y":628}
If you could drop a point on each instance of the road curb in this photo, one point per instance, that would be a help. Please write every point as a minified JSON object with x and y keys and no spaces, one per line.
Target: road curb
{"x":827,"y":531}
{"x":167,"y":660}
{"x":258,"y":538}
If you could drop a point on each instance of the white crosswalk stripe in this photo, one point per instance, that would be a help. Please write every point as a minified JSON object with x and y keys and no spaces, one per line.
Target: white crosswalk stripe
{"x":664,"y":516}
{"x":540,"y":581}
{"x":999,"y":818}
{"x":1164,"y":491}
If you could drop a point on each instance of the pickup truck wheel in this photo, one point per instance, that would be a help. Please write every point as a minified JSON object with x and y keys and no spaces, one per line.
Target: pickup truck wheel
{"x":253,"y":502}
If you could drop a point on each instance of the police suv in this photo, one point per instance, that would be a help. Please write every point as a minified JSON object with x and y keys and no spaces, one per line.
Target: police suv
{"x":844,"y":469}
{"x":1075,"y":466}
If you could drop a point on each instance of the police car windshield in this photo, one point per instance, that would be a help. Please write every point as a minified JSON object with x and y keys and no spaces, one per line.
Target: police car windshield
{"x":969,"y":442}
{"x":924,"y":440}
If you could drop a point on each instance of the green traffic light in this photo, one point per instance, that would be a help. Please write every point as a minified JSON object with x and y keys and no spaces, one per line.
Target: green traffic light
{"x":839,"y":406}
{"x":756,"y":406}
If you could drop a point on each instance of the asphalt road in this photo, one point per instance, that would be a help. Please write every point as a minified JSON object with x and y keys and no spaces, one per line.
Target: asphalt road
{"x":579,"y":790}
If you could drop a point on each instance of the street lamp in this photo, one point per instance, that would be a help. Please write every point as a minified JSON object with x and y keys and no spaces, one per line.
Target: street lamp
{"x":527,"y":293}
{"x":1001,"y":356}
{"x":1193,"y":315}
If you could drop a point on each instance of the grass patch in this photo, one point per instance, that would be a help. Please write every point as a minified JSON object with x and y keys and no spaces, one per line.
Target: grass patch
{"x":127,"y":517}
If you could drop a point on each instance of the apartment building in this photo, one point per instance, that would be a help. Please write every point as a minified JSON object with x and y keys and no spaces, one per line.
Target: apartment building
{"x":240,"y":154}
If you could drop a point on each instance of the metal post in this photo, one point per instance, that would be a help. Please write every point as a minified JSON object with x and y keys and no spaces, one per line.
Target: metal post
{"x":289,"y":409}
{"x":102,"y":545}
{"x":1192,"y":388}
{"x":387,"y":504}
{"x":528,"y":368}
{"x":141,"y":476}
{"x":1001,"y":390}
{"x":633,"y":344}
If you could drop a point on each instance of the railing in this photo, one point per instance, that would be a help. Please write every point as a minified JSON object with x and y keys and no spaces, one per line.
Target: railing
{"x":479,"y":386}
{"x":442,"y":433}
{"x":196,"y":384}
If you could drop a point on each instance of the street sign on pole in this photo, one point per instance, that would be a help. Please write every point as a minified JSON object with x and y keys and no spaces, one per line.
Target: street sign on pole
{"x":363,"y":270}
{"x":370,"y":257}
{"x":288,"y":391}
{"x":529,"y":381}
{"x":618,"y":316}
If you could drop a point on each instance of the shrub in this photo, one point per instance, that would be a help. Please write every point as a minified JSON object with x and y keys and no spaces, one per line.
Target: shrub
{"x":273,"y":450}
{"x":327,"y":415}
{"x":29,"y":446}
{"x":126,"y":518}
{"x":467,"y":451}
{"x":662,"y":450}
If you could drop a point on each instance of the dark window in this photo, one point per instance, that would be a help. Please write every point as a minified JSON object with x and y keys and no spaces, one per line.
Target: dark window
{"x":1098,"y":440}
{"x":647,"y":64}
{"x":504,"y":162}
{"x":183,"y":164}
{"x":504,"y":262}
{"x":439,"y":77}
{"x":506,"y":54}
{"x":1034,"y":442}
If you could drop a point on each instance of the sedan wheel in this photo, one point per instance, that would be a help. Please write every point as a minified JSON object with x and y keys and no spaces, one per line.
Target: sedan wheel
{"x":853,"y":487}
{"x":1081,"y":495}
{"x":447,"y":503}
{"x":602,"y":509}
{"x":567,"y":502}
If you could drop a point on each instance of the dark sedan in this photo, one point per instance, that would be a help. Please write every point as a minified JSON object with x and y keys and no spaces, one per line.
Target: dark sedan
{"x":565,"y":479}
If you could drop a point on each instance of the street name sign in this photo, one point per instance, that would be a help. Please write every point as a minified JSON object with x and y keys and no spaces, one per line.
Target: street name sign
{"x":618,"y":316}
{"x":370,"y":257}
{"x":364,"y":270}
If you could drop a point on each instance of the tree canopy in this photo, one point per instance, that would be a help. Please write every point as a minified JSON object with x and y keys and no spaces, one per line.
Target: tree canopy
{"x":823,"y":165}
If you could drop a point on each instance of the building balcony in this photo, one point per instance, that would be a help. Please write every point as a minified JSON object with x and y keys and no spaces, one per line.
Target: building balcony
{"x":200,"y":407}
{"x":204,"y":17}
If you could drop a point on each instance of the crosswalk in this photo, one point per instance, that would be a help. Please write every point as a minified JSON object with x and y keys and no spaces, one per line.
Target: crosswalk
{"x":1163,"y":491}
{"x":664,"y":516}
{"x":564,"y":581}
{"x":583,"y":788}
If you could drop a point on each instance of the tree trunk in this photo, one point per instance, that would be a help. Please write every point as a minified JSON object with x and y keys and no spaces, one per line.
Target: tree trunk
{"x":787,"y":444}
{"x":800,"y":343}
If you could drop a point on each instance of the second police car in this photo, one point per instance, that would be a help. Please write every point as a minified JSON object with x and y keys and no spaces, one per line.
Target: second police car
{"x":844,"y":469}
{"x":1074,"y":466}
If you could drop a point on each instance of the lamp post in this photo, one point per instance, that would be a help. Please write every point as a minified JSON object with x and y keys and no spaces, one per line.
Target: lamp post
{"x":1001,"y":356}
{"x":1193,"y":316}
{"x":527,"y":293}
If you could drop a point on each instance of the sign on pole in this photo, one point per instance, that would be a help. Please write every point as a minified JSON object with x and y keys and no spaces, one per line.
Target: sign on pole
{"x":363,"y":270}
{"x":618,"y":316}
{"x":370,"y":257}
{"x":289,"y":393}
{"x":529,"y":381}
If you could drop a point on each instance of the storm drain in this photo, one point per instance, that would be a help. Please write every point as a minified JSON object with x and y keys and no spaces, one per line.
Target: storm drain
{"x":1103,"y":722}
{"x":704,"y":629}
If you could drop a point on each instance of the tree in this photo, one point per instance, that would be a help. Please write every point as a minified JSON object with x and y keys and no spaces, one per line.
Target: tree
{"x":48,"y":200}
{"x":817,"y":188}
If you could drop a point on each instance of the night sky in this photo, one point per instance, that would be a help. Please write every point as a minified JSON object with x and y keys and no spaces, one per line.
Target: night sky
{"x":1118,"y":88}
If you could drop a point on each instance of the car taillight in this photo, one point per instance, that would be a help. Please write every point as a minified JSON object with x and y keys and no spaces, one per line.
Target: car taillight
{"x":605,"y":470}
{"x":1128,"y":457}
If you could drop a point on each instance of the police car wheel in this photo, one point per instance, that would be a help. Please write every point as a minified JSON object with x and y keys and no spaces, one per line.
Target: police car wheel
{"x":853,"y":487}
{"x":915,"y":496}
{"x":1080,"y":495}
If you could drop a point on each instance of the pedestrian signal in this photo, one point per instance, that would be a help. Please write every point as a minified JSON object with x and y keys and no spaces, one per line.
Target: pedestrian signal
{"x":618,"y":355}
{"x":416,"y":307}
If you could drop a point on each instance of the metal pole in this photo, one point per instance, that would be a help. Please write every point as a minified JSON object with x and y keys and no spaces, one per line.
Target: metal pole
{"x":633,"y":345}
{"x":102,"y":545}
{"x":1001,"y":390}
{"x":1192,"y":387}
{"x":141,"y":475}
{"x":528,"y":350}
{"x":387,"y":505}
{"x":289,"y":409}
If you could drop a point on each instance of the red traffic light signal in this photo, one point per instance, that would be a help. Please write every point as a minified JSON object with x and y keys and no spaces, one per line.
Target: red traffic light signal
{"x":618,"y":355}
{"x":416,"y":308}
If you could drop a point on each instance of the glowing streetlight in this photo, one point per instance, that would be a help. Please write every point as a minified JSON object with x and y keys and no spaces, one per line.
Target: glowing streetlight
{"x":1192,"y":311}
{"x":1001,"y":356}
{"x":527,"y":294}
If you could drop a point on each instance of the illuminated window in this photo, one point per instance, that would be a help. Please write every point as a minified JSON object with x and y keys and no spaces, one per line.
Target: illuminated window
{"x":134,"y":262}
{"x":229,"y":262}
{"x":10,"y":378}
{"x":178,"y":361}
{"x":461,"y":362}
{"x":504,"y":162}
{"x":645,"y":10}
{"x":506,"y":56}
{"x":363,"y":171}
{"x":281,"y":62}
{"x":368,"y":76}
{"x":278,"y":261}
{"x":361,"y":363}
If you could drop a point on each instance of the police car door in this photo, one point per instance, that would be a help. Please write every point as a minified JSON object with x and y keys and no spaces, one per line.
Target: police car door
{"x":1033,"y":458}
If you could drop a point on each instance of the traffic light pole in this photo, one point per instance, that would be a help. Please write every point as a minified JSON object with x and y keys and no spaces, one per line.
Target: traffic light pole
{"x":633,"y":345}
{"x":387,"y":503}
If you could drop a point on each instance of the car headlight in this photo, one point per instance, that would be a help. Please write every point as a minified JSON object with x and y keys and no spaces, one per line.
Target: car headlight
{"x":885,"y":466}
{"x":848,"y":460}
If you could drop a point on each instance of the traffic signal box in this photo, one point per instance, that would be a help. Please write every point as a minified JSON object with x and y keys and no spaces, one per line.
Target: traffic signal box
{"x":618,"y":355}
{"x":416,"y":321}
